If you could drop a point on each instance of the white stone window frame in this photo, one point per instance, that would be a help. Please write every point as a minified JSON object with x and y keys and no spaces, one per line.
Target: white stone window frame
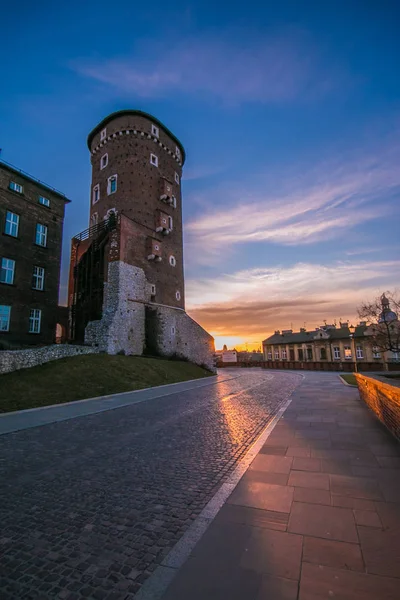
{"x":5,"y":317}
{"x":16,"y":187}
{"x":35,"y":320}
{"x":155,"y":131}
{"x":177,"y":152}
{"x":178,"y":295}
{"x":94,"y":219}
{"x":38,"y":278}
{"x":177,"y":178}
{"x":110,"y":180}
{"x":284,"y":354}
{"x":336,"y":352}
{"x":152,"y":289}
{"x":172,"y":261}
{"x":359,"y":352}
{"x":170,"y":222}
{"x":44,"y":201}
{"x":173,"y":330}
{"x":104,"y":161}
{"x":7,"y":272}
{"x":103,"y":134}
{"x":41,"y":233}
{"x":173,"y":201}
{"x":153,"y":159}
{"x":96,"y":193}
{"x":276,"y":354}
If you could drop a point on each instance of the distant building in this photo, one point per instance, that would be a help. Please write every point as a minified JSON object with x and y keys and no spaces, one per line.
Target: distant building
{"x":31,"y":221}
{"x":250,"y":356}
{"x":327,"y":344}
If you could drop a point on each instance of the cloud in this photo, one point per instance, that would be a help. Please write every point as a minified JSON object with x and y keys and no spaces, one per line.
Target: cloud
{"x":318,"y":206}
{"x":233,"y":66}
{"x":254,"y":302}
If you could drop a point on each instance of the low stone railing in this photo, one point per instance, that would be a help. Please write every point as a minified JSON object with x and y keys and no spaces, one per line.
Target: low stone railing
{"x":13,"y":360}
{"x":383,"y":399}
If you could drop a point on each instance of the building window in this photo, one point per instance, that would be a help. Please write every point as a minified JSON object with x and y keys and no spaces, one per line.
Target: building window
{"x":94,"y":219}
{"x":177,"y":152}
{"x":172,"y":330}
{"x":41,"y":235}
{"x":112,"y":184}
{"x":269,"y":355}
{"x":172,"y":261}
{"x":284,"y":354}
{"x":178,"y":295}
{"x":44,"y":201}
{"x":336,"y":352}
{"x":300,"y":353}
{"x":5,"y":313}
{"x":322,"y":353}
{"x":375,"y":352}
{"x":155,"y":131}
{"x":38,"y":278}
{"x":96,"y":194}
{"x":173,"y":201}
{"x":154,"y":160}
{"x":359,"y":352}
{"x":291,"y":353}
{"x":16,"y":187}
{"x":347,"y":353}
{"x":170,"y":223}
{"x":12,"y":224}
{"x":395,"y":356}
{"x":103,"y":134}
{"x":309,"y":354}
{"x":152,"y":290}
{"x":177,"y":180}
{"x":7,"y":271}
{"x":34,"y":320}
{"x":276,"y":354}
{"x":104,"y":161}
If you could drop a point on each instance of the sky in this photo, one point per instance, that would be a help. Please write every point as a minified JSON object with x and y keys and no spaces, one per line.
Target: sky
{"x":290,"y":116}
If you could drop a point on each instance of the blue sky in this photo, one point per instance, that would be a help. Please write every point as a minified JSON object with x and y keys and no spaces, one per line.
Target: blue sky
{"x":290,"y":116}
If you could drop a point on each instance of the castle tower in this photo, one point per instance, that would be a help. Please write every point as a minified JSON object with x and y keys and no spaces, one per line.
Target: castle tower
{"x":126,"y":289}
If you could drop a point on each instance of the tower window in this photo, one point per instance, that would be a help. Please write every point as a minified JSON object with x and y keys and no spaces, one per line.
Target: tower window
{"x":172,"y":261}
{"x":178,"y":295}
{"x":170,"y":223}
{"x":112,"y":184}
{"x":96,"y":194}
{"x":104,"y":161}
{"x":152,"y":289}
{"x":172,"y":330}
{"x":94,"y":219}
{"x":44,"y":201}
{"x":177,"y":152}
{"x":103,"y":134}
{"x":154,"y":160}
{"x":173,"y":203}
{"x":155,"y":131}
{"x":16,"y":187}
{"x":177,"y":180}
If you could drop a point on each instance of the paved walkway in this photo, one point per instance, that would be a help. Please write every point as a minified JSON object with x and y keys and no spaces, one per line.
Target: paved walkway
{"x":317,"y":514}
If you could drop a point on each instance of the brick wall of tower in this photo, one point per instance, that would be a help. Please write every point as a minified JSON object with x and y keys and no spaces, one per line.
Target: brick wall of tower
{"x":138,"y":198}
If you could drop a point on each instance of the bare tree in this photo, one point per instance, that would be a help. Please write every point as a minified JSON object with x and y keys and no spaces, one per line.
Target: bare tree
{"x":381,"y":316}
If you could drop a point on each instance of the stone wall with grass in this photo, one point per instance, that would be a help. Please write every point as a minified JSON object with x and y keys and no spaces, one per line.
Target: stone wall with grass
{"x":12,"y":360}
{"x":383,"y":398}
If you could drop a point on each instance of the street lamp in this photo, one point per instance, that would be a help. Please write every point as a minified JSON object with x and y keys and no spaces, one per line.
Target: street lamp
{"x":352,"y":330}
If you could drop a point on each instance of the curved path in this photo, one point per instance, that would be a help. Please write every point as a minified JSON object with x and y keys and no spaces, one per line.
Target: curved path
{"x":90,"y":506}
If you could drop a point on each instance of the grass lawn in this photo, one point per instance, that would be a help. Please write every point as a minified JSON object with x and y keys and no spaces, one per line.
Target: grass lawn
{"x":89,"y":376}
{"x":349,"y":379}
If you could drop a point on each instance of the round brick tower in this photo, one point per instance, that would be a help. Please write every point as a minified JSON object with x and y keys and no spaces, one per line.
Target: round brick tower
{"x":136,"y":172}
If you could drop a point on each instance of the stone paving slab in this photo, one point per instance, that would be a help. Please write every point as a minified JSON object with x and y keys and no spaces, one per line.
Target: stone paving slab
{"x":336,"y":529}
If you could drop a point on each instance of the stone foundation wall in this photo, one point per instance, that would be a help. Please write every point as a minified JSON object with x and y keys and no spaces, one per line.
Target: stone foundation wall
{"x":14,"y":360}
{"x":383,"y":399}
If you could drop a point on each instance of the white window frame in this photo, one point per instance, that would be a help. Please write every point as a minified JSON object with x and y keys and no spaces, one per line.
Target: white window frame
{"x":109,"y":183}
{"x":38,"y":278}
{"x":41,"y":235}
{"x":5,"y":316}
{"x":284,"y":354}
{"x":375,"y":352}
{"x":94,"y":219}
{"x":170,"y":223}
{"x":155,"y":131}
{"x":103,"y":166}
{"x":348,"y":354}
{"x":177,"y":178}
{"x":103,"y":134}
{"x":173,"y":330}
{"x":152,"y":289}
{"x":12,"y":222}
{"x":269,"y":355}
{"x":8,"y":268}
{"x":173,"y":203}
{"x":359,"y":352}
{"x":16,"y":187}
{"x":177,"y":152}
{"x":172,"y":261}
{"x":154,"y":160}
{"x":276,"y":353}
{"x":178,"y":295}
{"x":44,"y":201}
{"x":336,"y":352}
{"x":35,"y":320}
{"x":96,"y":192}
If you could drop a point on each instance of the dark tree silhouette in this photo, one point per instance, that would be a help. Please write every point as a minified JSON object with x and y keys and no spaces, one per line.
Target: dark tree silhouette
{"x":381,"y":316}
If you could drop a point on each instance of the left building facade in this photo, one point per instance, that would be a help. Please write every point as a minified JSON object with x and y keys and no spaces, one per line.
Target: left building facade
{"x":31,"y":222}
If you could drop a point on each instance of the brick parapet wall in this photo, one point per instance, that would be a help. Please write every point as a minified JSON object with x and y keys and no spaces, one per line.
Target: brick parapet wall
{"x":23,"y":359}
{"x":383,"y":399}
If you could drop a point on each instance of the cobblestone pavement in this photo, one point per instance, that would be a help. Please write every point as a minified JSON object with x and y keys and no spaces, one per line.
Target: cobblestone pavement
{"x":90,"y":506}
